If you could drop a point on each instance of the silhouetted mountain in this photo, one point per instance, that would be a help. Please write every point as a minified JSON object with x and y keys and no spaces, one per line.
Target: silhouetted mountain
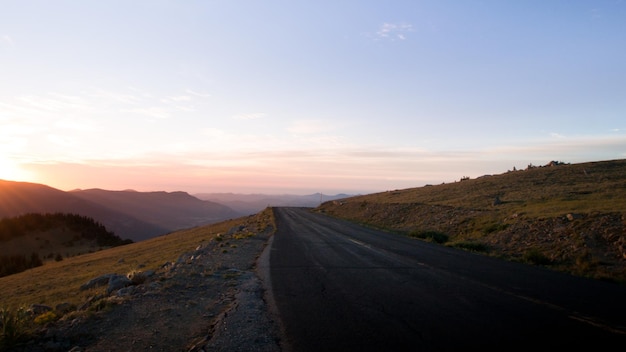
{"x":169,"y":210}
{"x":141,"y":215}
{"x":254,"y":203}
{"x":18,"y":198}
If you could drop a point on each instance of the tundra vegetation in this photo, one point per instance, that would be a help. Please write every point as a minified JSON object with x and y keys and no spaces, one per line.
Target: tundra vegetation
{"x":566,"y":217}
{"x":56,"y":290}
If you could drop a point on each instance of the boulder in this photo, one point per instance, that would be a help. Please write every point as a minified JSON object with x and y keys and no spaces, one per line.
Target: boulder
{"x":117,"y":282}
{"x":97,"y":282}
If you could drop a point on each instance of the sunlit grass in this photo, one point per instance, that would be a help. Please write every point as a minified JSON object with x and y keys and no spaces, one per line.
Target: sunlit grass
{"x":59,"y":282}
{"x":499,"y":214}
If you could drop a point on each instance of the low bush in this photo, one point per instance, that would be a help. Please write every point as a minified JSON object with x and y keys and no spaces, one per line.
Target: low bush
{"x":46,"y":317}
{"x":534,"y":256}
{"x":471,"y":246}
{"x":15,"y":326}
{"x":434,"y":236}
{"x":494,"y":228}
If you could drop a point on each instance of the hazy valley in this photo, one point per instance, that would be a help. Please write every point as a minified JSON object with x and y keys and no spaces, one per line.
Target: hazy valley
{"x":564,"y":217}
{"x":141,"y":215}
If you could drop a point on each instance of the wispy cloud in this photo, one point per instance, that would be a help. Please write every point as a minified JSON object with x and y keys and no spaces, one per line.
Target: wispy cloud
{"x":252,"y":116}
{"x":596,"y":14}
{"x":53,"y":102}
{"x":6,"y":41}
{"x":64,"y":141}
{"x":115,"y":96}
{"x":76,"y":124}
{"x":198,"y":94}
{"x":153,"y":111}
{"x":394,"y":31}
{"x":176,"y":99}
{"x":556,"y":135}
{"x":307,"y":126}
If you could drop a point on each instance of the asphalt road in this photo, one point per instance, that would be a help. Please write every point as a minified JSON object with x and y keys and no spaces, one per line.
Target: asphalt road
{"x":338,"y":286}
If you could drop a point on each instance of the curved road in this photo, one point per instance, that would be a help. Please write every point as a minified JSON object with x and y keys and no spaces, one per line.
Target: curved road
{"x":338,"y":286}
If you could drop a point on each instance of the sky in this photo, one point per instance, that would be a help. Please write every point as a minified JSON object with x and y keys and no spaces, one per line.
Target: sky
{"x":300,"y":97}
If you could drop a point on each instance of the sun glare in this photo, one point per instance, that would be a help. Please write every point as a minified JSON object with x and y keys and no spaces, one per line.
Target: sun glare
{"x":11,"y":172}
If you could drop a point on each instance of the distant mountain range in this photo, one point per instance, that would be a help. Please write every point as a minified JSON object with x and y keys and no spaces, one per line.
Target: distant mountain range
{"x":141,"y":215}
{"x":129,"y":214}
{"x":254,"y":203}
{"x":168,"y":210}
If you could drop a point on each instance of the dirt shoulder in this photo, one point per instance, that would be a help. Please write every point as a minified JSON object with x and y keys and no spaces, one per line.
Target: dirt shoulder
{"x":212,"y":298}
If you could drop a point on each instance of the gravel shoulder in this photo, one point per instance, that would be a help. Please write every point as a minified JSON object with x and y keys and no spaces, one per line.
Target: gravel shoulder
{"x":211,"y":299}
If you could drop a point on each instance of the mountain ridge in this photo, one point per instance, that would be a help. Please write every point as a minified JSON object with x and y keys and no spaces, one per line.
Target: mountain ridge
{"x":18,"y":198}
{"x":249,"y":204}
{"x":129,"y":214}
{"x":170,"y":210}
{"x":137,"y":215}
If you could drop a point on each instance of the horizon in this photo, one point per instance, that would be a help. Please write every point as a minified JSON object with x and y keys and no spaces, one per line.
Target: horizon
{"x":190,"y":193}
{"x":282,"y":193}
{"x":356,"y":97}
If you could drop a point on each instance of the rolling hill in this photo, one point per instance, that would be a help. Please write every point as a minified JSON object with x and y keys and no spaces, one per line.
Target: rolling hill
{"x":168,"y":210}
{"x":249,"y":204}
{"x":569,"y":217}
{"x":130,"y":215}
{"x":18,"y":198}
{"x":566,"y":217}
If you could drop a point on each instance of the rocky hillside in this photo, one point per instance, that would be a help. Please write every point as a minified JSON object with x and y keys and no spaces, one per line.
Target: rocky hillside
{"x":567,"y":217}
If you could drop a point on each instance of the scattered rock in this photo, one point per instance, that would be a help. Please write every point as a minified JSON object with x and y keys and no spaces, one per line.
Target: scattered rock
{"x":126,"y":291}
{"x":97,"y":282}
{"x":572,"y":216}
{"x":236,"y":229}
{"x":139,"y":277}
{"x":38,"y":309}
{"x":117,"y":282}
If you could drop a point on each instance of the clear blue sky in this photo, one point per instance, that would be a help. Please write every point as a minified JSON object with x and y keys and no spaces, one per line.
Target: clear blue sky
{"x":305,"y":96}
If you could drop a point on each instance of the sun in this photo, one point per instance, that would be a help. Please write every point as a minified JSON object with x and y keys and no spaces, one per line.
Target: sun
{"x":10,"y":171}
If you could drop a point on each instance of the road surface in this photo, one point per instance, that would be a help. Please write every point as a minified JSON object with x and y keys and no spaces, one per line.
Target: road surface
{"x":338,"y":286}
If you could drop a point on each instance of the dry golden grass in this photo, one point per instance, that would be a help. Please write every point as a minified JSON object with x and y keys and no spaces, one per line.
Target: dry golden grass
{"x":59,"y":282}
{"x":529,"y":224}
{"x":540,"y":191}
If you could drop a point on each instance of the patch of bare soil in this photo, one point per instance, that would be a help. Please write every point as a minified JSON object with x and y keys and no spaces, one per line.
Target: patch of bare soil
{"x":211,"y":299}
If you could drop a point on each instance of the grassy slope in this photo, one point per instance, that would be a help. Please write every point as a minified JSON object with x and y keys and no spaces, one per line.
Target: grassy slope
{"x":59,"y":282}
{"x":529,"y":224}
{"x":530,"y":219}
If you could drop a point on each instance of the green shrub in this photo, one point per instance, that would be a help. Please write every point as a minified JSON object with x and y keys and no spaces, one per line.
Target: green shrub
{"x":14,"y":326}
{"x":471,"y":246}
{"x":102,"y":305}
{"x":494,"y":228}
{"x":535,"y":256}
{"x":584,"y":262}
{"x":429,"y":235}
{"x":46,"y":317}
